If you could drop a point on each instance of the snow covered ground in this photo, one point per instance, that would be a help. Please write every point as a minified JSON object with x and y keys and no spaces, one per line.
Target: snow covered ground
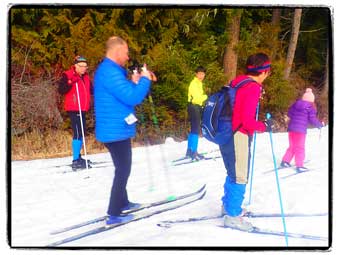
{"x":44,"y":198}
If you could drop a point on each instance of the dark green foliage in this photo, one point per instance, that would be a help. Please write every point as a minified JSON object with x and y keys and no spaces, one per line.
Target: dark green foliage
{"x":313,"y":43}
{"x":173,"y":42}
{"x":279,"y":93}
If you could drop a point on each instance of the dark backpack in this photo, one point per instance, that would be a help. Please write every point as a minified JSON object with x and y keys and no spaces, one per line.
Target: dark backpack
{"x":217,"y":114}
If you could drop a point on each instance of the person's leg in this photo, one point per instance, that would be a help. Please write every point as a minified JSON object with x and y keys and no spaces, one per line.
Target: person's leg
{"x":83,"y":117}
{"x":238,"y":184}
{"x":235,"y":187}
{"x":189,"y":147}
{"x":228,"y":156}
{"x":233,"y":197}
{"x":190,"y":117}
{"x":289,"y":154}
{"x":76,"y":148}
{"x":299,"y":140}
{"x":195,"y":122}
{"x":77,"y":134}
{"x":121,"y":154}
{"x":81,"y":138}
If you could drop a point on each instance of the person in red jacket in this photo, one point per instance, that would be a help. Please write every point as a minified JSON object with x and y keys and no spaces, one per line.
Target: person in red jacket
{"x":236,"y":153}
{"x":75,"y":84}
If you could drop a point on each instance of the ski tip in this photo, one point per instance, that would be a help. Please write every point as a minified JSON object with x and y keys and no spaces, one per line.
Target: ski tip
{"x":171,"y":198}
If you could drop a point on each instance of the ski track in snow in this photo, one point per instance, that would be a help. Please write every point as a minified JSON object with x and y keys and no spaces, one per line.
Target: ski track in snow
{"x":43,"y":199}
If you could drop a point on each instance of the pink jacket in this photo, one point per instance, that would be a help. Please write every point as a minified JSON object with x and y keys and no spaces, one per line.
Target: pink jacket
{"x":244,"y":113}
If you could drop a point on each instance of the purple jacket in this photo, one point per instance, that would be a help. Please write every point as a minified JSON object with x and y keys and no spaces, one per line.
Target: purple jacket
{"x":302,"y":113}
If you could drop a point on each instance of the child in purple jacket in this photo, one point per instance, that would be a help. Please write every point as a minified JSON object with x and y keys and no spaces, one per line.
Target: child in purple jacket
{"x":301,"y":113}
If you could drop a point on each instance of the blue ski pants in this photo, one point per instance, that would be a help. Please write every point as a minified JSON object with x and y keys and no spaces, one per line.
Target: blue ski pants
{"x":194,"y":112}
{"x":236,"y":159}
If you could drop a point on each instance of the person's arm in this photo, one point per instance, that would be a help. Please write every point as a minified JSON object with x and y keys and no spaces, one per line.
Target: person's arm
{"x":63,"y":86}
{"x":313,"y":119}
{"x":125,"y":90}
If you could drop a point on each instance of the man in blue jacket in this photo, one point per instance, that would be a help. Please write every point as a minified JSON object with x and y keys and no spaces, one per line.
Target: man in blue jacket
{"x":115,"y":97}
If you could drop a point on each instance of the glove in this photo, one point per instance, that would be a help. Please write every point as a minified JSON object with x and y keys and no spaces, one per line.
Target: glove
{"x":269,"y":125}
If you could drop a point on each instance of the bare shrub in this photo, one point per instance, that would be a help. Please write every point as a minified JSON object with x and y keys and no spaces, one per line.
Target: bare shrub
{"x":34,"y":104}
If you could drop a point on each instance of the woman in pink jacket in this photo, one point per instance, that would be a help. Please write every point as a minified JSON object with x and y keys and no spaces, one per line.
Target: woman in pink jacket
{"x":236,"y":153}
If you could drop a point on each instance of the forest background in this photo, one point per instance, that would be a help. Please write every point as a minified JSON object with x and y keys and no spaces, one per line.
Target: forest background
{"x":173,"y":41}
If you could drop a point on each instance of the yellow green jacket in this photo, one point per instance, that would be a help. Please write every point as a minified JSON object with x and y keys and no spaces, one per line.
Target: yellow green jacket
{"x":195,"y":92}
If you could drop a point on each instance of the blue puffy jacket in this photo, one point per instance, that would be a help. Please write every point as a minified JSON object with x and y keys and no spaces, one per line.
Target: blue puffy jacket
{"x":302,"y":113}
{"x":114,"y":99}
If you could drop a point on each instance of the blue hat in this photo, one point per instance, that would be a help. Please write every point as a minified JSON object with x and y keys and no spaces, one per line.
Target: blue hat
{"x":79,"y":59}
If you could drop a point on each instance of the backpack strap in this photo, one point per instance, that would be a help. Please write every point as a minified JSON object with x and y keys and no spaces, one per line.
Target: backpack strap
{"x":241,"y":83}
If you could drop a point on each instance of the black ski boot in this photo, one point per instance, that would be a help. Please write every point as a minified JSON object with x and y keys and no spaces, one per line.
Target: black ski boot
{"x":88,"y":161}
{"x":285,"y":164}
{"x":79,"y":164}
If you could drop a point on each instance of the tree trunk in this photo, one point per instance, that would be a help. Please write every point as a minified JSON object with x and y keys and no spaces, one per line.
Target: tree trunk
{"x":230,"y":55}
{"x":326,"y":84}
{"x":276,"y":17}
{"x":293,"y":42}
{"x":323,"y":100}
{"x":276,"y":30}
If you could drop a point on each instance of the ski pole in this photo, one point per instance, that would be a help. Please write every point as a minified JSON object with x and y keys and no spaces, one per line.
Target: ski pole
{"x":82,"y":126}
{"x":147,"y":141}
{"x":268,"y":116}
{"x":155,"y":122}
{"x":253,"y":158}
{"x":320,"y":134}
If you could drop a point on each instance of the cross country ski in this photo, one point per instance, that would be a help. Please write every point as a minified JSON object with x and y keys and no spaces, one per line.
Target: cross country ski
{"x":144,"y":206}
{"x":136,"y":217}
{"x":190,"y":161}
{"x":257,"y":230}
{"x":169,"y":223}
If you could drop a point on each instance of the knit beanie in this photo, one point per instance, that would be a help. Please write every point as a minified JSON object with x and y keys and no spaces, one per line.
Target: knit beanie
{"x":308,"y":96}
{"x":79,"y":59}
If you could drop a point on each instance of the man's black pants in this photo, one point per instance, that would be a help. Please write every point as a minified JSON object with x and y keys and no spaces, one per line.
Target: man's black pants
{"x":121,"y":154}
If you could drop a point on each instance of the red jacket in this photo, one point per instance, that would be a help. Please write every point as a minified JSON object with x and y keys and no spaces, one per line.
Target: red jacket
{"x":84,"y":88}
{"x":244,"y":113}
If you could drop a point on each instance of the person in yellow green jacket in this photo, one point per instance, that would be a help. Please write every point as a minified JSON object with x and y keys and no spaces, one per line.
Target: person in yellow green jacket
{"x":196,"y":98}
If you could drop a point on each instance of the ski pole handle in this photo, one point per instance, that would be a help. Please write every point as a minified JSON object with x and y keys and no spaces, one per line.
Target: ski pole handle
{"x":268,"y":122}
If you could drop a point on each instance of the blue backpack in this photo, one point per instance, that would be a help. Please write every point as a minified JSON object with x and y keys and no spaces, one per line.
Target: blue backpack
{"x":217,"y":114}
